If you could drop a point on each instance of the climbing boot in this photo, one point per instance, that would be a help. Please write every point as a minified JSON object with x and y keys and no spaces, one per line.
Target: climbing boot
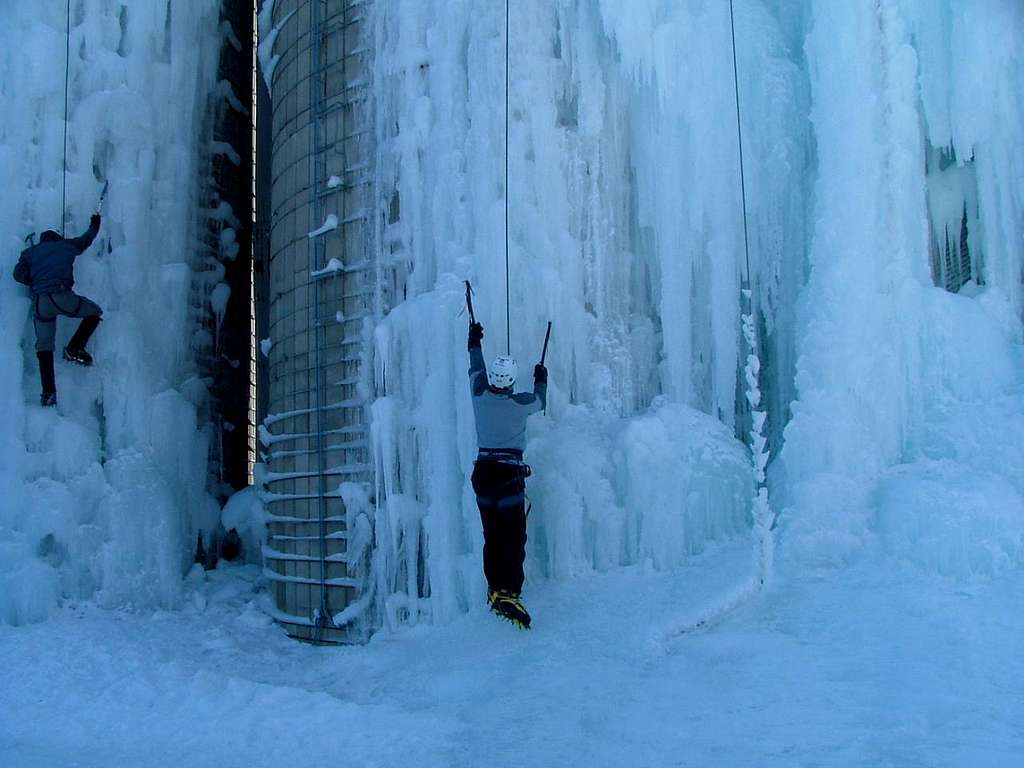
{"x":509,"y":607}
{"x":75,"y":352}
{"x":48,"y":398}
{"x":78,"y":356}
{"x":85,"y":330}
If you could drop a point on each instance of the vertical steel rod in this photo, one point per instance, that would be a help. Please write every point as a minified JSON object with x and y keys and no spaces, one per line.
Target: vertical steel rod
{"x":314,"y":327}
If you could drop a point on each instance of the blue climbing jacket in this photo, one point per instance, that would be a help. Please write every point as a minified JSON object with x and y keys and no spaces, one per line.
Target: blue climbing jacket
{"x":49,"y":266}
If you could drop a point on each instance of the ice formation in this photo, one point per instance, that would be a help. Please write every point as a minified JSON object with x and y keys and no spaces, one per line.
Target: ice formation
{"x":883,"y":145}
{"x":99,"y":498}
{"x":894,"y":373}
{"x":268,"y":37}
{"x":625,"y":229}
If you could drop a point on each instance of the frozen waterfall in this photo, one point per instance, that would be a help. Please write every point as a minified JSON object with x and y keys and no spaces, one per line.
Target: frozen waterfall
{"x":99,"y":500}
{"x":884,"y":148}
{"x":885,"y":393}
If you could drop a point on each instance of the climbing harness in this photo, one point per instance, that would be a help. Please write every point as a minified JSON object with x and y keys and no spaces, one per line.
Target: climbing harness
{"x":51,"y":297}
{"x":513,"y":490}
{"x":67,"y":76}
{"x":504,"y":456}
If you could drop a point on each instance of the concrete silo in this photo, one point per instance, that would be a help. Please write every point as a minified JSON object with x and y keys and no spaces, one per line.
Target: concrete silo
{"x":317,"y":291}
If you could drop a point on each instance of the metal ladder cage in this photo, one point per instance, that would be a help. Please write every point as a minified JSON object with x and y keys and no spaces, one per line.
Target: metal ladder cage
{"x":320,"y":437}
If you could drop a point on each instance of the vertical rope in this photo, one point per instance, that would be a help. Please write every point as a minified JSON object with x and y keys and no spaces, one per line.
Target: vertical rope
{"x":763,"y":517}
{"x":739,"y":136}
{"x":67,"y":77}
{"x":508,"y":316}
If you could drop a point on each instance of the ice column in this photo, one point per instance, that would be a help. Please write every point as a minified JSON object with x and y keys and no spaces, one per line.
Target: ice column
{"x":96,"y":497}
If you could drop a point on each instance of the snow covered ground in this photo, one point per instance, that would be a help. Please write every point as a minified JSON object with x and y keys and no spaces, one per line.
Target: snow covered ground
{"x":874,"y":665}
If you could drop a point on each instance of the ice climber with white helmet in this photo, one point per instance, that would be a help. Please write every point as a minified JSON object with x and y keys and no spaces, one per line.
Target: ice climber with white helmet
{"x":499,"y":474}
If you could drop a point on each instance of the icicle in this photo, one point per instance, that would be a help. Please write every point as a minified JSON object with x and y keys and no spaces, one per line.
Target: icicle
{"x":219,"y":301}
{"x":223,"y":148}
{"x":268,"y":61}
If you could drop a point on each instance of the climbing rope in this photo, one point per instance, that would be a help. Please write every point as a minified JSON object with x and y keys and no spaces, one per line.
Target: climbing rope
{"x":750,"y":329}
{"x":67,"y":77}
{"x":739,"y":137}
{"x":508,"y":321}
{"x":763,"y":517}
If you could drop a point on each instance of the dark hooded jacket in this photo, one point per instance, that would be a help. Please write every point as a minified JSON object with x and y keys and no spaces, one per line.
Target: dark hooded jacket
{"x":49,"y":266}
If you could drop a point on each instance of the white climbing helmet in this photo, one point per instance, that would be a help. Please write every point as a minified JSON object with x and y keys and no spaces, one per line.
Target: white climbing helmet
{"x":502,"y":373}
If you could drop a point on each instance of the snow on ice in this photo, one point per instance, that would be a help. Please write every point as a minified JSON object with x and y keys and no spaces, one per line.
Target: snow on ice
{"x":330,"y":224}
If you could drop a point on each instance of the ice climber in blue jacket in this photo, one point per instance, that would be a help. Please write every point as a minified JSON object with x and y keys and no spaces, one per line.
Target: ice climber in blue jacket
{"x":499,"y":474}
{"x":47,"y":268}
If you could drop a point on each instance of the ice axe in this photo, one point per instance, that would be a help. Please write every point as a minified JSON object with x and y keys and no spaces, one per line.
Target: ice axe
{"x":544,"y":353}
{"x":103,"y":196}
{"x":469,"y":302}
{"x":99,"y":208}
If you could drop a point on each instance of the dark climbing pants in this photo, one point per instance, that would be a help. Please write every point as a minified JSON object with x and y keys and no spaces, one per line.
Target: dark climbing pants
{"x":501,"y":495}
{"x":49,"y":306}
{"x":47,"y":377}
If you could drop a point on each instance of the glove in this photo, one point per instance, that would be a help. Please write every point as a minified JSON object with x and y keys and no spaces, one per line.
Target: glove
{"x":95,"y":221}
{"x":540,"y":374}
{"x":476,"y":334}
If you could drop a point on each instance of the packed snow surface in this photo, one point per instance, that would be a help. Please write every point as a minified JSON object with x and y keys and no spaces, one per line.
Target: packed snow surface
{"x":872,"y":666}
